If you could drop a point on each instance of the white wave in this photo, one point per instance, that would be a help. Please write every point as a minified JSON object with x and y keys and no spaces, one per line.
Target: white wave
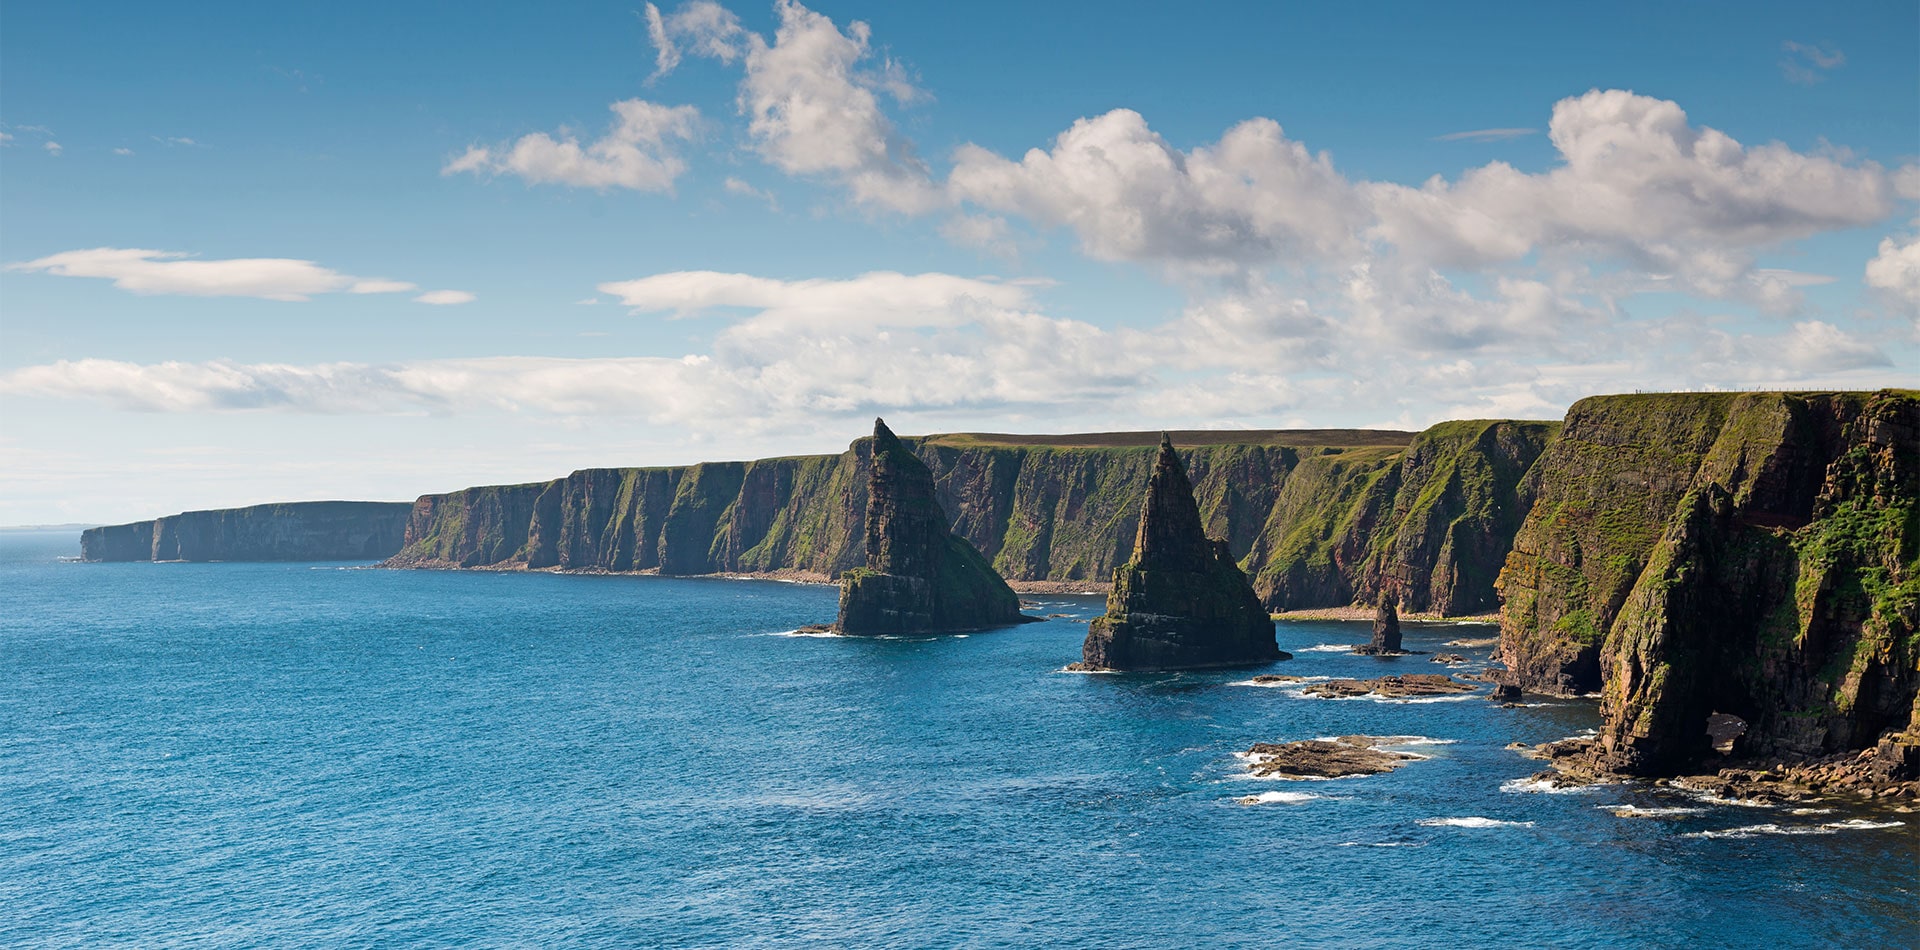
{"x":1328,"y":648}
{"x":1383,"y":844}
{"x":1473,"y":822}
{"x":1278,"y":798}
{"x":1068,"y":669}
{"x":1394,"y":742}
{"x":1391,"y":700}
{"x":1531,"y":784}
{"x":1302,"y":681}
{"x":804,"y":633}
{"x":1712,"y":799}
{"x":1635,"y":811}
{"x":1832,"y":827}
{"x":1810,"y":811}
{"x":1485,"y":642}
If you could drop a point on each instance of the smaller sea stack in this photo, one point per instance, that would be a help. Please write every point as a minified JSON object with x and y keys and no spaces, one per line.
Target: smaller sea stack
{"x":1386,"y":628}
{"x":920,"y":577}
{"x":1181,"y":602}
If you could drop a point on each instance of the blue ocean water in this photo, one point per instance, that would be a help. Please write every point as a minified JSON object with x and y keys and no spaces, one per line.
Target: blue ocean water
{"x":302,"y":754}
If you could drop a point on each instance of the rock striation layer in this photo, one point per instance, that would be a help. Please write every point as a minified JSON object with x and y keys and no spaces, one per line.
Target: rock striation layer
{"x":919,"y":577}
{"x":293,"y":531}
{"x":1180,"y":602}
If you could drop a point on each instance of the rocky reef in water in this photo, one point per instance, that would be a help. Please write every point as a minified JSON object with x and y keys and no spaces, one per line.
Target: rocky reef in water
{"x":1755,"y":555}
{"x":1180,"y":602}
{"x":291,"y":531}
{"x":919,"y":577}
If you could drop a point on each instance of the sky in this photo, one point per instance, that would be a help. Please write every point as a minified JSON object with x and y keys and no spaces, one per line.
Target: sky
{"x":270,"y":252}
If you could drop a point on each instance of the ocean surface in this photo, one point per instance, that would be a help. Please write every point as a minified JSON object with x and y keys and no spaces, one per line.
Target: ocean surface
{"x":319,"y":755}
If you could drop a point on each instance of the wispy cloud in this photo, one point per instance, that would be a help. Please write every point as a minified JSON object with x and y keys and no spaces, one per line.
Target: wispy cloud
{"x":1808,"y":63}
{"x":445,"y":298}
{"x":1485,"y":135}
{"x":142,"y":271}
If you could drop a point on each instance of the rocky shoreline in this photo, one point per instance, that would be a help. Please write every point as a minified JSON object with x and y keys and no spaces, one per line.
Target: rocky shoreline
{"x":1884,"y":773}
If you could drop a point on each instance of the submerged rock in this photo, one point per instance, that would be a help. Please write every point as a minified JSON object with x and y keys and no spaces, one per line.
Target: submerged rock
{"x":1392,"y":687}
{"x":920,"y":577}
{"x":1181,"y":602}
{"x":1344,"y":757}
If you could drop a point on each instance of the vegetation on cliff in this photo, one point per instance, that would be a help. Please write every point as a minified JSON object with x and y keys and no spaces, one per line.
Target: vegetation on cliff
{"x":1751,"y":554}
{"x":1180,"y":602}
{"x":289,"y":531}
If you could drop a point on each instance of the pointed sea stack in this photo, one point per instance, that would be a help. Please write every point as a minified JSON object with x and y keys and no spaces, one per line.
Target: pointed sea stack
{"x":1386,"y":628}
{"x":1181,"y":603}
{"x":920,"y":577}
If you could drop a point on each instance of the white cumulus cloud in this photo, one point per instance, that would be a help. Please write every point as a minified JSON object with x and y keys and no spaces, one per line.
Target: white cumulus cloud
{"x":636,"y":152}
{"x":1896,"y":269}
{"x":1255,"y":196}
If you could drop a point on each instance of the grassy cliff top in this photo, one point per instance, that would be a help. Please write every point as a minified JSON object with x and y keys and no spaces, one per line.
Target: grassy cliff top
{"x":1183,"y":438}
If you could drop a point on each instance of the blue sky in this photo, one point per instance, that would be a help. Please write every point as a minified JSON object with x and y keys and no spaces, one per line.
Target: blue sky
{"x":265,"y":252}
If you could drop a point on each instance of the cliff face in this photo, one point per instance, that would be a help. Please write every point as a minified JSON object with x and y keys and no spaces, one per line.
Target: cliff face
{"x":1751,"y":554}
{"x":1180,"y":602}
{"x":294,"y":531}
{"x":919,"y":575}
{"x":1431,"y":523}
{"x":1316,"y":515}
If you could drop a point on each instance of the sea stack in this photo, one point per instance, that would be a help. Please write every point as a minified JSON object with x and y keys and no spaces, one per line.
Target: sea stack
{"x":1181,"y":602}
{"x":1386,"y":628}
{"x":920,"y":577}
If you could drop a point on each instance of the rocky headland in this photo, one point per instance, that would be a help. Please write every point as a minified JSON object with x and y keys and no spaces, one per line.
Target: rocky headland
{"x":919,"y":577}
{"x":1181,"y":602}
{"x":1755,"y":555}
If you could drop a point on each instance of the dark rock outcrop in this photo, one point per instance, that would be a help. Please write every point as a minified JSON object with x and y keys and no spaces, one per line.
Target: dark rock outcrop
{"x":293,"y":531}
{"x":920,"y":577}
{"x":1386,"y":630}
{"x":1181,"y":602}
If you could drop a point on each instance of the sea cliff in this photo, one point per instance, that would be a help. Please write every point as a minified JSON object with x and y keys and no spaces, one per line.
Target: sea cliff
{"x":1317,"y":518}
{"x":1753,"y":554}
{"x":292,"y":531}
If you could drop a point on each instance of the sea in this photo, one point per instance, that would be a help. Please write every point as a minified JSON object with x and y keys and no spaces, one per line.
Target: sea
{"x":328,"y":755}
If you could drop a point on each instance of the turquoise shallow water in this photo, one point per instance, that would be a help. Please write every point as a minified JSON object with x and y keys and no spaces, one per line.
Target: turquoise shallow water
{"x":298,"y":754}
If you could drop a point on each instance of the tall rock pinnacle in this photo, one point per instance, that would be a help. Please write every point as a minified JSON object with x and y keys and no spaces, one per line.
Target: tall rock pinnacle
{"x":920,"y":577}
{"x":1181,"y":602}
